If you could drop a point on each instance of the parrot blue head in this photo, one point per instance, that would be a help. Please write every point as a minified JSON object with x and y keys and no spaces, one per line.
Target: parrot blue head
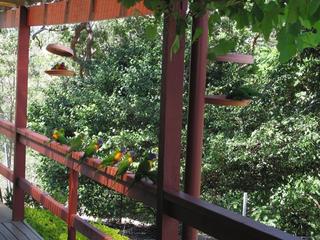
{"x":151,"y":156}
{"x":132,"y":154}
{"x":100,"y":142}
{"x":123,"y":150}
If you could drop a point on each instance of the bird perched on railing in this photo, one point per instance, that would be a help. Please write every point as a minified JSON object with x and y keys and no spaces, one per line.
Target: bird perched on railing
{"x":124,"y":164}
{"x":91,"y":149}
{"x":58,"y":135}
{"x":76,"y":142}
{"x":114,"y":157}
{"x":144,"y":168}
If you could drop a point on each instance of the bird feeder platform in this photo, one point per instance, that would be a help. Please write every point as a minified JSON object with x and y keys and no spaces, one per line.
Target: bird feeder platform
{"x":60,"y":73}
{"x":236,"y":58}
{"x":222,"y":100}
{"x":60,"y":50}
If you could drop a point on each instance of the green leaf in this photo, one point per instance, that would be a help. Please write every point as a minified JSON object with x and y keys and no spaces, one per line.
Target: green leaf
{"x":308,"y":40}
{"x":175,"y":46}
{"x":128,"y":3}
{"x":151,"y":32}
{"x":197,"y":34}
{"x":292,"y":11}
{"x":266,"y":25}
{"x":153,"y":4}
{"x":242,"y":19}
{"x":305,"y":22}
{"x":314,"y":6}
{"x":214,"y":18}
{"x":224,"y":46}
{"x":286,"y":45}
{"x":257,"y":13}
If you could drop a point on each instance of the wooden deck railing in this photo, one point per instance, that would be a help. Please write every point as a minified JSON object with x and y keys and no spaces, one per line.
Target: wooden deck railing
{"x":206,"y":217}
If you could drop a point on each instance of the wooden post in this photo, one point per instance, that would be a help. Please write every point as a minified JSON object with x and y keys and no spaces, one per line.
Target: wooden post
{"x":21,"y":112}
{"x":72,"y":202}
{"x":196,"y":115}
{"x":244,"y":204}
{"x":170,"y":123}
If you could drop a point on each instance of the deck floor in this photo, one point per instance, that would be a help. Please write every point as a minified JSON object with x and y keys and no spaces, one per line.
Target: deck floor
{"x":10,"y":230}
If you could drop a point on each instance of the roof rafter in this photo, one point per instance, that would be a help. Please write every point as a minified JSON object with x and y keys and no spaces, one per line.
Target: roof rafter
{"x":72,"y":11}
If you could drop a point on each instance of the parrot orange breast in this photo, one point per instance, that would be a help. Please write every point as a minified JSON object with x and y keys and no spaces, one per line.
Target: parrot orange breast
{"x":96,"y":147}
{"x":118,"y":156}
{"x":55,"y":136}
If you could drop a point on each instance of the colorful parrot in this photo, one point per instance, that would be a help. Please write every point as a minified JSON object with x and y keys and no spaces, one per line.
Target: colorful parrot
{"x":91,"y":149}
{"x":76,"y":143}
{"x":113,"y":158}
{"x":58,"y":135}
{"x":144,"y":168}
{"x":243,"y":92}
{"x":125,"y":164}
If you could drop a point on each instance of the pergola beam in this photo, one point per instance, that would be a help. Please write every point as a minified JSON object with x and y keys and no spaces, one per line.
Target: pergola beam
{"x":73,"y":11}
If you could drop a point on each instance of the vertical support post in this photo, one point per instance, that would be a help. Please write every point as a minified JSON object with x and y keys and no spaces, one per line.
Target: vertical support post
{"x":72,"y":202}
{"x":170,"y":122}
{"x":196,"y":115}
{"x":244,"y":204}
{"x":21,"y":112}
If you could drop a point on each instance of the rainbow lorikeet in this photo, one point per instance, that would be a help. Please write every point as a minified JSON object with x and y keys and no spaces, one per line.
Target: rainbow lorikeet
{"x":91,"y":149}
{"x":243,"y":92}
{"x":144,"y":168}
{"x":124,"y":164}
{"x":114,"y":157}
{"x":58,"y":135}
{"x":76,"y":142}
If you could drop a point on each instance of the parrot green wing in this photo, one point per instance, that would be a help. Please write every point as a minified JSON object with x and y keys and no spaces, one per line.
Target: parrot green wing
{"x":76,"y":143}
{"x":122,"y":168}
{"x":108,"y":161}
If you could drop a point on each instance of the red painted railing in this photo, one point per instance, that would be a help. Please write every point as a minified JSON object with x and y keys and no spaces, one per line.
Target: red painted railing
{"x":206,"y":217}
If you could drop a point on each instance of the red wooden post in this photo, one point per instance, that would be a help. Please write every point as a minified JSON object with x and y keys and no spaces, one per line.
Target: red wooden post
{"x":21,"y":112}
{"x":72,"y":202}
{"x":170,"y":123}
{"x":196,"y":116}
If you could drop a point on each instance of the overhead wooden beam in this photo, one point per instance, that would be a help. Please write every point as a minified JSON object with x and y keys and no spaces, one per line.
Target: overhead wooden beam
{"x":73,"y":11}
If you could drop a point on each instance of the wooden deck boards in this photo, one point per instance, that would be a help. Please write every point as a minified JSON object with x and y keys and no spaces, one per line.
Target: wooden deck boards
{"x":10,"y":230}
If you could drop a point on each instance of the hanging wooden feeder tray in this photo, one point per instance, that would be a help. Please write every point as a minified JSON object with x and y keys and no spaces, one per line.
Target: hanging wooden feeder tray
{"x":61,"y":72}
{"x":60,"y":50}
{"x":236,"y":58}
{"x":222,"y":100}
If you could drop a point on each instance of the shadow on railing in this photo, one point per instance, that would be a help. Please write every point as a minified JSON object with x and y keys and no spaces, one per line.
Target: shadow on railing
{"x":211,"y":219}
